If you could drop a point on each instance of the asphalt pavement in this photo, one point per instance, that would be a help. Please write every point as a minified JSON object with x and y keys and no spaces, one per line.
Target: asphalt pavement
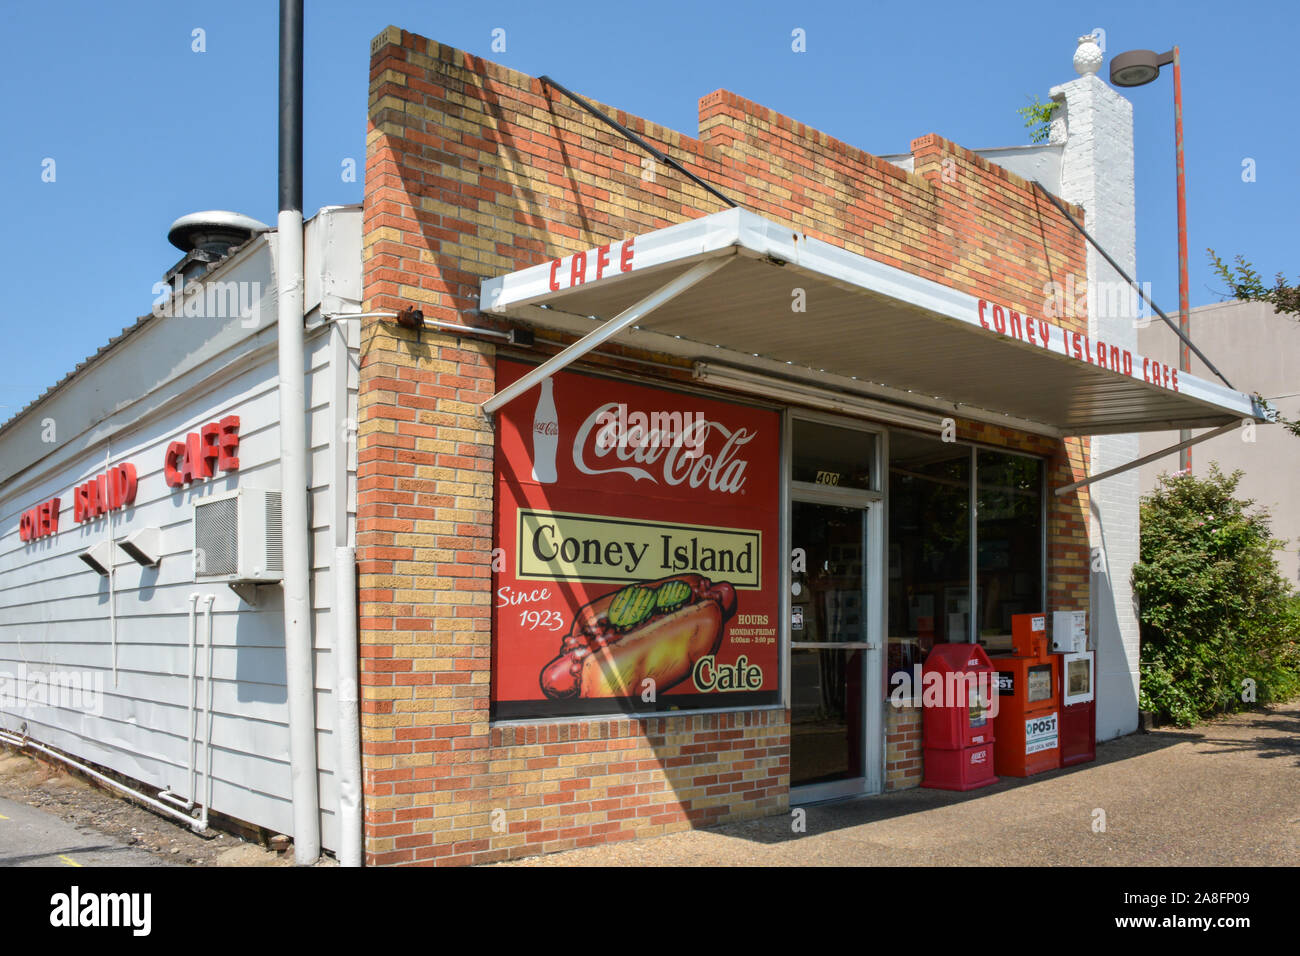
{"x":33,"y":837}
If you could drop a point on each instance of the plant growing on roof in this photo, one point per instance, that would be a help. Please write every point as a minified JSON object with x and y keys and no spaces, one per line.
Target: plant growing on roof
{"x":1038,"y":117}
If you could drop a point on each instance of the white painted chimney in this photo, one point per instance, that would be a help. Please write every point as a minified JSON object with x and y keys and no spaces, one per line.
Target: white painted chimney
{"x":1095,"y":128}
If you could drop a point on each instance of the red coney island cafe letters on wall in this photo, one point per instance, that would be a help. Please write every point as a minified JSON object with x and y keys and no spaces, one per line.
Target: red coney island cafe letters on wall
{"x":636,"y":561}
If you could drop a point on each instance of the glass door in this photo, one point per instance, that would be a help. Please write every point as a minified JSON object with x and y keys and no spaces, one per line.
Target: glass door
{"x":834,"y":651}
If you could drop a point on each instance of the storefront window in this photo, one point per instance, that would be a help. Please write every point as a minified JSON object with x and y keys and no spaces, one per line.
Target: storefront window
{"x":1009,"y":536}
{"x":929,"y":546}
{"x":833,"y":456}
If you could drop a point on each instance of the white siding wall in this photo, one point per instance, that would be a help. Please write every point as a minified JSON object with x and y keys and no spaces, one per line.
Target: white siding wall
{"x":56,"y":614}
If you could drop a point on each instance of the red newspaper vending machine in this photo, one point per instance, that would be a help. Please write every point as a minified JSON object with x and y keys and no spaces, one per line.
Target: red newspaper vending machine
{"x":1078,"y":674}
{"x":957,"y":734}
{"x":1027,"y":724}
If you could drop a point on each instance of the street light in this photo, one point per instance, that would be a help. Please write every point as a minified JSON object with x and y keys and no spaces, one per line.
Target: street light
{"x":1137,"y":68}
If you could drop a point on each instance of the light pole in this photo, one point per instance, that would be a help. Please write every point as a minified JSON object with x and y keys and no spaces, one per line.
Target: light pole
{"x":1137,"y":68}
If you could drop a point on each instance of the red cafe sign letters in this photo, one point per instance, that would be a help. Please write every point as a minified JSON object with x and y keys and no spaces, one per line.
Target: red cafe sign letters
{"x":39,"y":522}
{"x":104,"y":493}
{"x":576,"y":269}
{"x":110,"y":491}
{"x":214,"y":447}
{"x":1076,"y":345}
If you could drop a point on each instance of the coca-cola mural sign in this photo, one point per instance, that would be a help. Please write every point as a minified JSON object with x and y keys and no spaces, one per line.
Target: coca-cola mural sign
{"x":661,"y":445}
{"x":635,"y":561}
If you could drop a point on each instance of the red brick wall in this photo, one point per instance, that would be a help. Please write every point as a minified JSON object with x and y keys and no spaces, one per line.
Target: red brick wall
{"x":473,"y":170}
{"x":903,"y":756}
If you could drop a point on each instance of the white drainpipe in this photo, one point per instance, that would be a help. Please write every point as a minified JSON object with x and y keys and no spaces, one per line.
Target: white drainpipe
{"x":298,"y":649}
{"x":186,"y":801}
{"x":297,"y":586}
{"x":299,"y":661}
{"x":207,"y":734}
{"x":349,"y":731}
{"x":23,"y":742}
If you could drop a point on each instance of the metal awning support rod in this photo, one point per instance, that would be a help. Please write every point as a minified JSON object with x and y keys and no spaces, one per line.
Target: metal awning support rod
{"x":1129,"y":279}
{"x":426,"y":323}
{"x":1138,"y":462}
{"x":606,"y":331}
{"x":615,"y":124}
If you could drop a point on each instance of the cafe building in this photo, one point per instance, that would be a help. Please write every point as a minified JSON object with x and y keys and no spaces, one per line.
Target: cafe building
{"x":702,"y":443}
{"x":644,"y":471}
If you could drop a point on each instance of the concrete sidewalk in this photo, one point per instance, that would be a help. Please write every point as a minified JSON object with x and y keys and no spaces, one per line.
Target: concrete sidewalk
{"x":1225,"y":793}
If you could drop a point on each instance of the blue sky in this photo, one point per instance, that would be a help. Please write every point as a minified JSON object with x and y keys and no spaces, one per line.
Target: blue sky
{"x":143,"y":129}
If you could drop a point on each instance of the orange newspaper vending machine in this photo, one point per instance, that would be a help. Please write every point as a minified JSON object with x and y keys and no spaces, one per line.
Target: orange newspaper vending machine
{"x":1027,"y":726}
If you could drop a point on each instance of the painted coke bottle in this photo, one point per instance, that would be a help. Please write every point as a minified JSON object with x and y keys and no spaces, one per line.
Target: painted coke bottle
{"x":546,"y":435}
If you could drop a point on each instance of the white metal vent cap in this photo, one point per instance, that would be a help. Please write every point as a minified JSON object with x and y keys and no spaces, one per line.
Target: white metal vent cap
{"x":218,"y":229}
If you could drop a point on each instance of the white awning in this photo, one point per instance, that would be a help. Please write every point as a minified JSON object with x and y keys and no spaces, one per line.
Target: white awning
{"x":726,"y":290}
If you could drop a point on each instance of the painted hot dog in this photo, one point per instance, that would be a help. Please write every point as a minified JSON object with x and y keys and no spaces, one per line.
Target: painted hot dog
{"x":656,"y":630}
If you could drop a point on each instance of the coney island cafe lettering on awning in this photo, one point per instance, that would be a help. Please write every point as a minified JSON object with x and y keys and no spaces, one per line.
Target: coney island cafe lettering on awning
{"x":718,"y":290}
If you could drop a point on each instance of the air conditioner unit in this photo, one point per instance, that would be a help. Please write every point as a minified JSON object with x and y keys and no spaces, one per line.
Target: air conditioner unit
{"x":238,"y":538}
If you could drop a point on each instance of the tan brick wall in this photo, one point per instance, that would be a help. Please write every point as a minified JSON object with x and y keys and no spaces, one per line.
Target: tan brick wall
{"x":473,"y":170}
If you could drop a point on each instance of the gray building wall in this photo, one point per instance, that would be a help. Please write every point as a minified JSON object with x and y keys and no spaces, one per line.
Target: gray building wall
{"x":1258,"y":349}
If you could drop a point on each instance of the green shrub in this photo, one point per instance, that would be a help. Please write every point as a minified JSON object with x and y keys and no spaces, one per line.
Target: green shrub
{"x":1216,"y":613}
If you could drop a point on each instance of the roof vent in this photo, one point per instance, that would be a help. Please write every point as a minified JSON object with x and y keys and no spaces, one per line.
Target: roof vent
{"x":208,"y":237}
